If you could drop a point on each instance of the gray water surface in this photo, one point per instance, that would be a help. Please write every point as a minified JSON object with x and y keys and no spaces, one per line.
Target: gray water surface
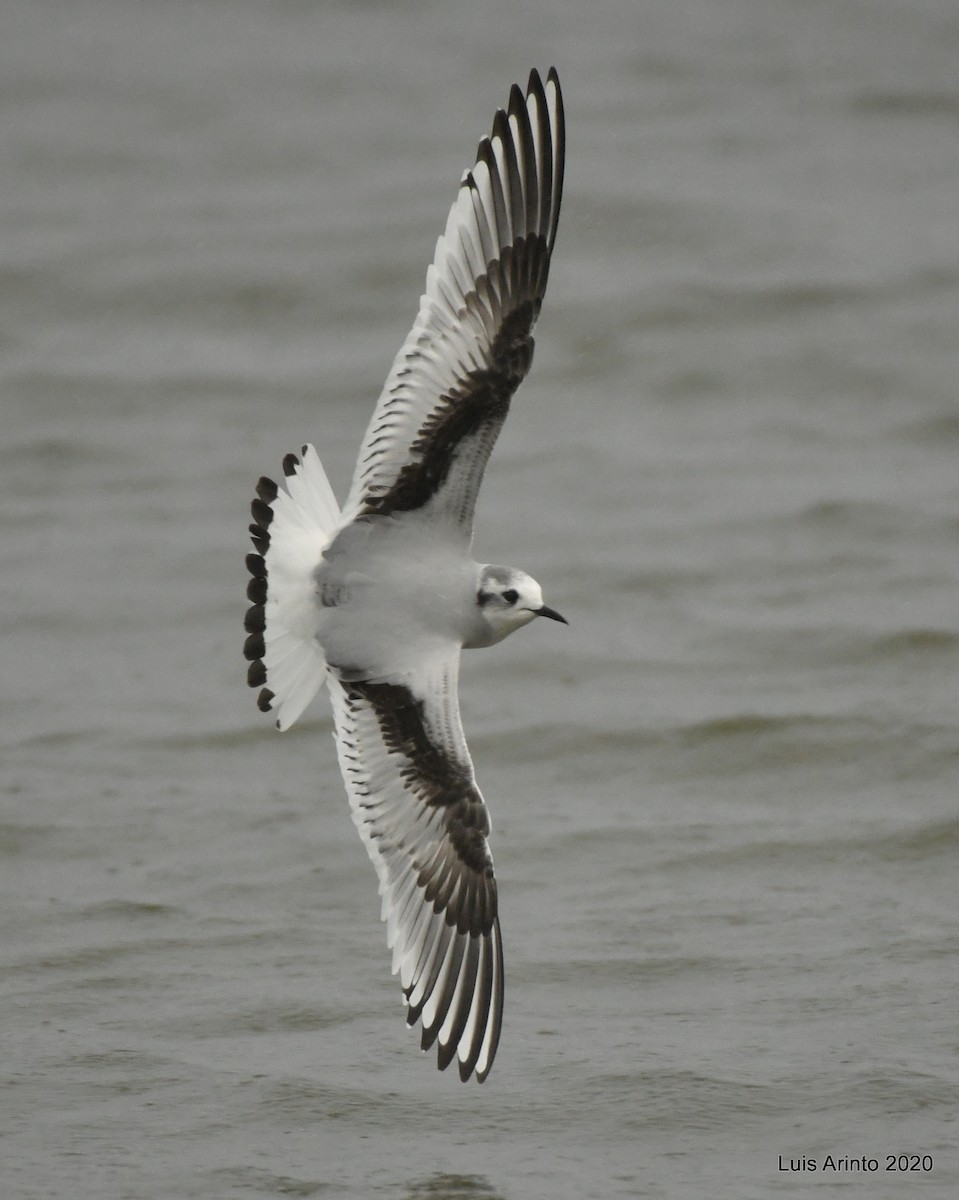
{"x":724,"y":800}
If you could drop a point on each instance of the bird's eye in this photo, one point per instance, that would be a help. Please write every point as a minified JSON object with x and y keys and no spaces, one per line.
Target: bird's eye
{"x":511,"y":595}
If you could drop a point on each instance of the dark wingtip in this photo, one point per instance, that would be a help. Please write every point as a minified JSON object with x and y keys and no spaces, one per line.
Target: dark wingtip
{"x":501,"y":124}
{"x":445,"y":1055}
{"x":264,"y":701}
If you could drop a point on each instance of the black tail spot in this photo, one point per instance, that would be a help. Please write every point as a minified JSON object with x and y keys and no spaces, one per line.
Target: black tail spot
{"x":255,"y":619}
{"x":260,"y":538}
{"x":266,"y":489}
{"x":262,"y":513}
{"x":254,"y":647}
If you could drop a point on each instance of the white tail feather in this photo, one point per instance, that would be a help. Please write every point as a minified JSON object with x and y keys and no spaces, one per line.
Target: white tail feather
{"x":292,"y":529}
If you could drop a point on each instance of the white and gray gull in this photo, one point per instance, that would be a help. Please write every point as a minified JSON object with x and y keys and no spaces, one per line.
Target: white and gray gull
{"x":378,"y":600}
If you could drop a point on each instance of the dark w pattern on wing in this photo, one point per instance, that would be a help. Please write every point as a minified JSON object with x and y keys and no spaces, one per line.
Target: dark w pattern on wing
{"x":471,"y":346}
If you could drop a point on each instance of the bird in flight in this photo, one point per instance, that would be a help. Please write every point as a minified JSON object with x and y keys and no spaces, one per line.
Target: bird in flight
{"x":377,"y":600}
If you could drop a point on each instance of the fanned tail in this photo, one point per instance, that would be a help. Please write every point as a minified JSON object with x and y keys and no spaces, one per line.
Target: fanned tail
{"x":291,"y":529}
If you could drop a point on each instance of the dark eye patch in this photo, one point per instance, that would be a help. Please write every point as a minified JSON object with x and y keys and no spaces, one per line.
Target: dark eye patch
{"x":511,"y":595}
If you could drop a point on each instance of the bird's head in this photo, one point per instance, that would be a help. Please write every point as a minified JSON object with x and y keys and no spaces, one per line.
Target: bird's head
{"x":507,"y":599}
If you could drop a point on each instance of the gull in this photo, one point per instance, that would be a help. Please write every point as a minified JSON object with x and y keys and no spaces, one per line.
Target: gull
{"x":378,"y":600}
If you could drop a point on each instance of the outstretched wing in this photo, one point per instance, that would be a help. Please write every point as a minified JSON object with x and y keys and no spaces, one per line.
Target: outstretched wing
{"x":423,"y":821}
{"x":450,"y":387}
